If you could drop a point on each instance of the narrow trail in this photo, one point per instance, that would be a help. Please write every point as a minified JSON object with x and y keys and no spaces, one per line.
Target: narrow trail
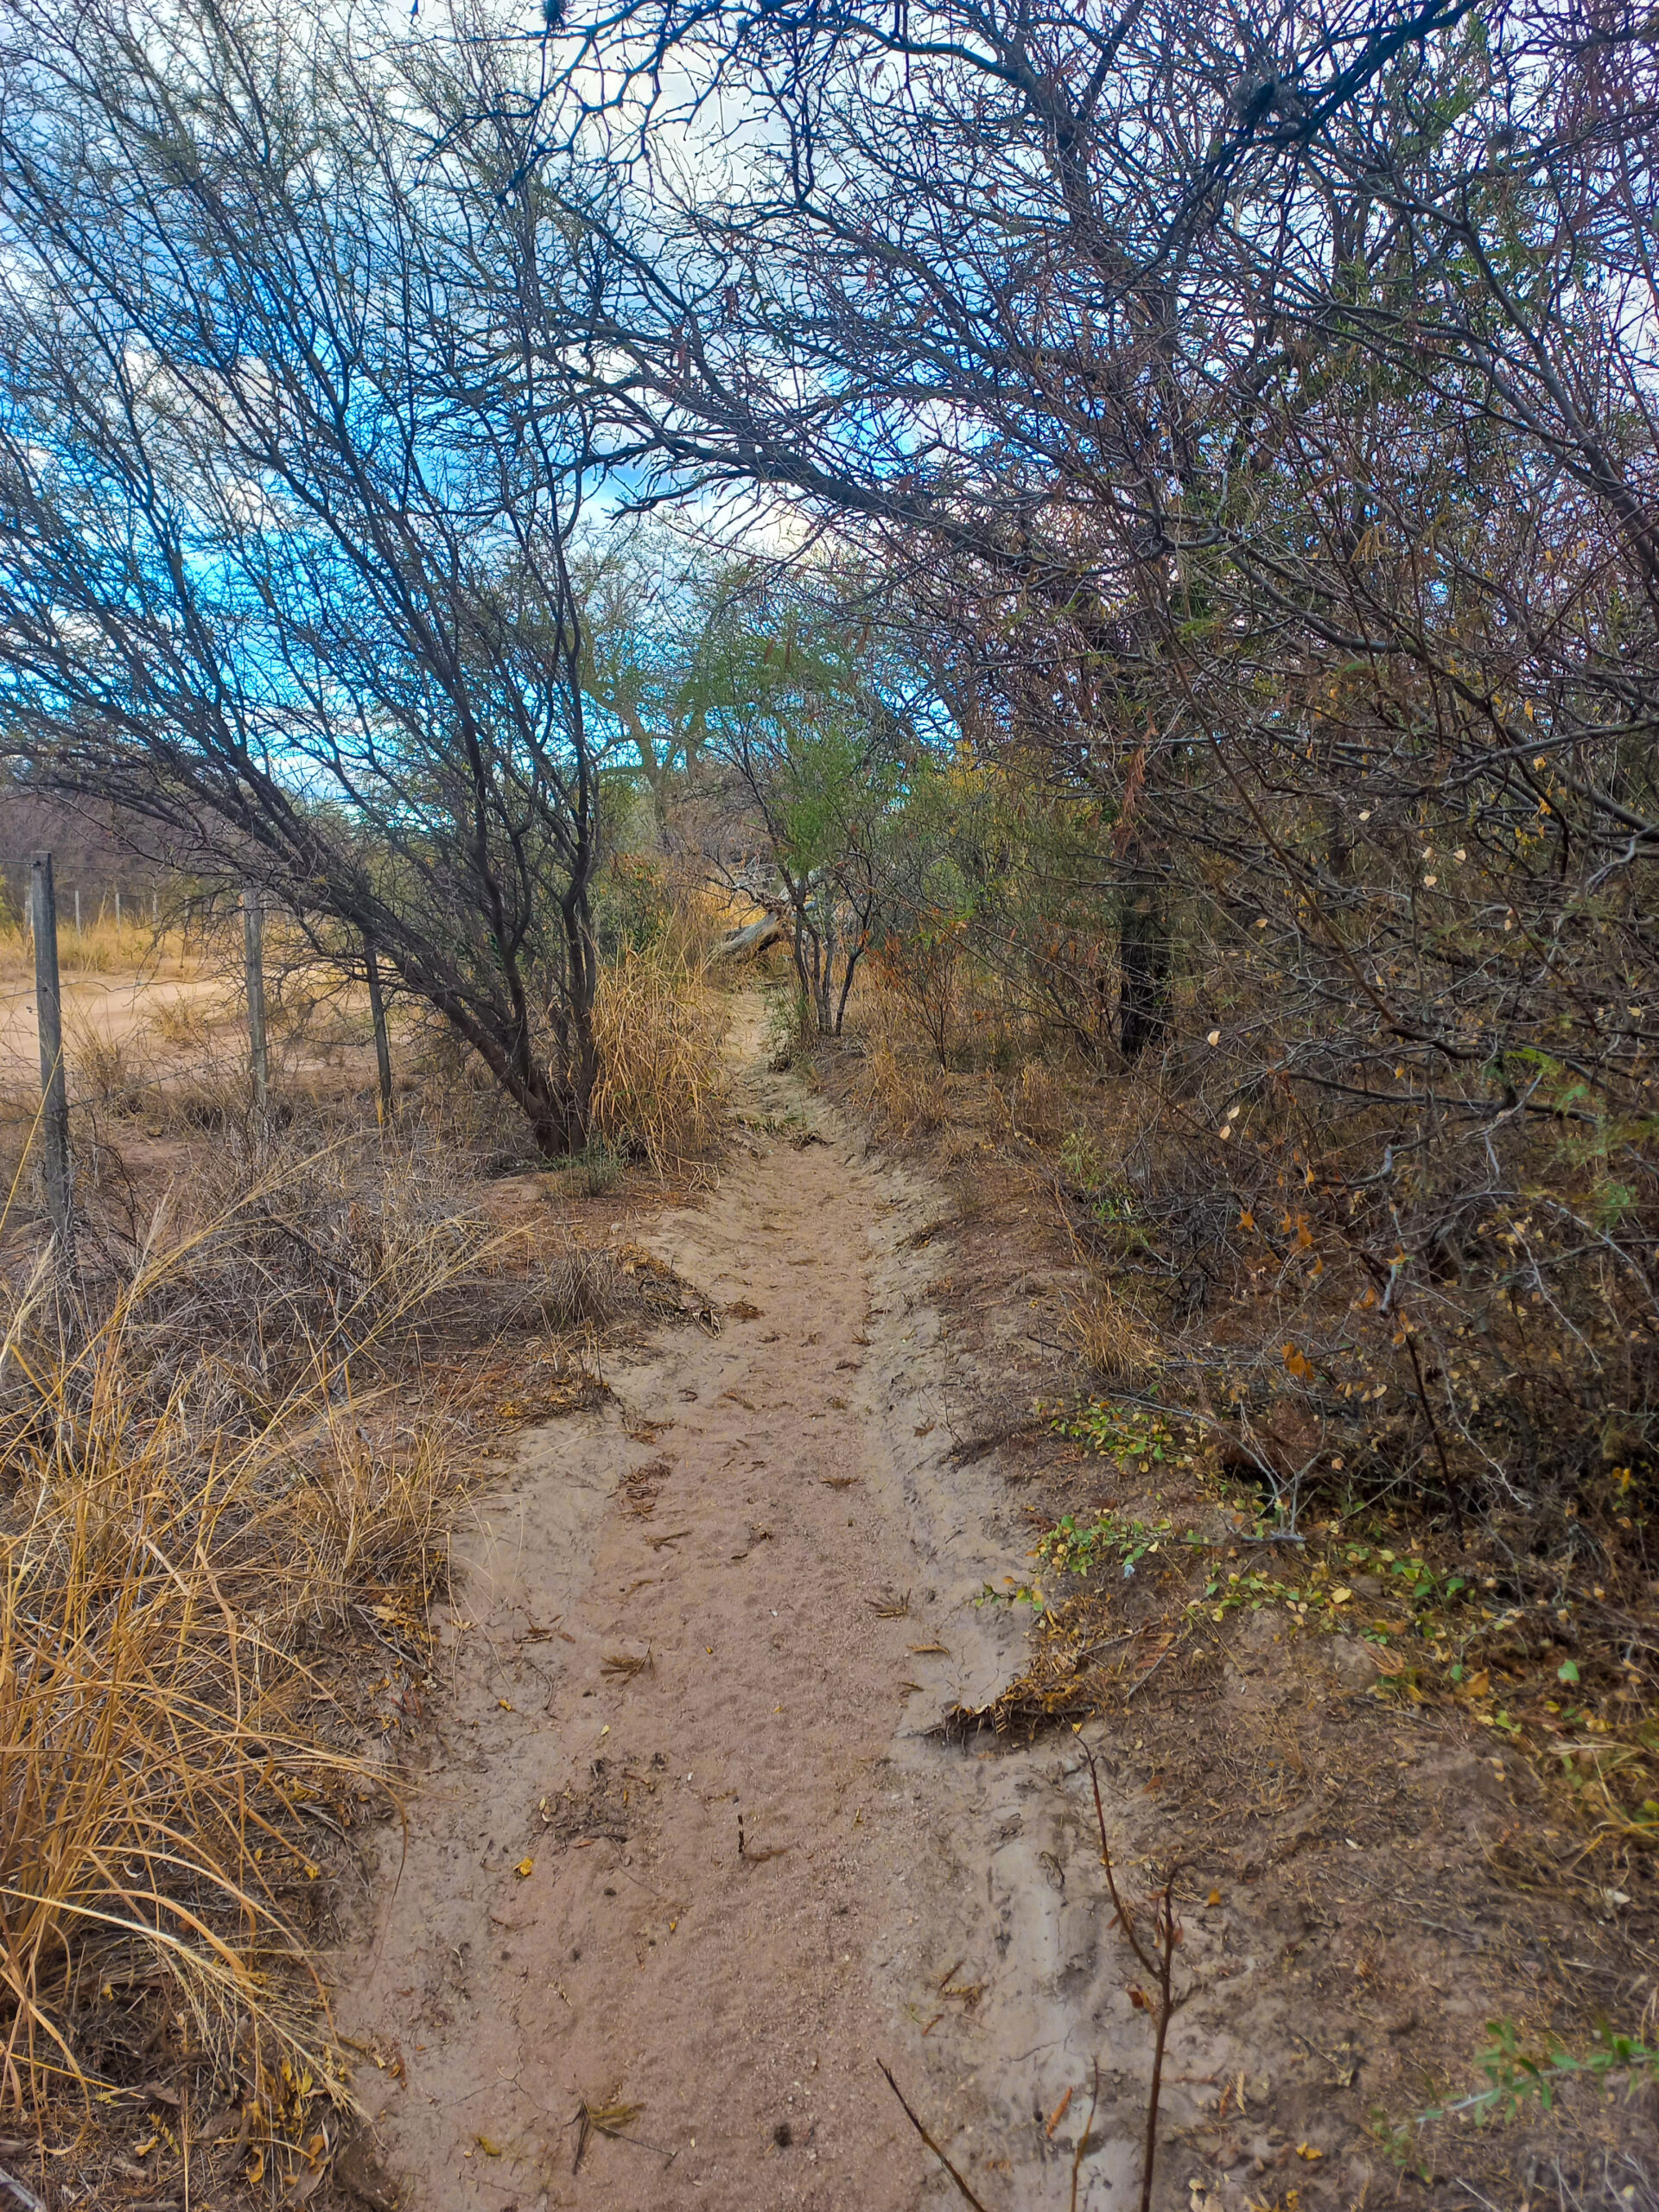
{"x":573,"y":1918}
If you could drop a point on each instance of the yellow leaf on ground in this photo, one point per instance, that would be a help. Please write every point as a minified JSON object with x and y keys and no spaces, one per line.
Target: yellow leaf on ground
{"x":524,"y":1866}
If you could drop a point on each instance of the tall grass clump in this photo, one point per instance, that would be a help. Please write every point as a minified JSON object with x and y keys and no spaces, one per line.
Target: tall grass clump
{"x":101,"y":949}
{"x":661,"y":1090}
{"x":200,"y":1485}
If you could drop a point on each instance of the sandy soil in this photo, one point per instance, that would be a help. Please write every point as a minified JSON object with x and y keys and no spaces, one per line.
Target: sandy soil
{"x":115,"y":1007}
{"x":723,"y":1886}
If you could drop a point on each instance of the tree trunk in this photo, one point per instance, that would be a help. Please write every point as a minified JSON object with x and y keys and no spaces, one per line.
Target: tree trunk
{"x":1143,"y":965}
{"x":578,"y":1048}
{"x":827,"y":971}
{"x":381,"y":1040}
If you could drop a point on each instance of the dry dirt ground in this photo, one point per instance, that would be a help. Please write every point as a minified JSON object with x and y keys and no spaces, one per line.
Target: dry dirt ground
{"x":684,"y":1844}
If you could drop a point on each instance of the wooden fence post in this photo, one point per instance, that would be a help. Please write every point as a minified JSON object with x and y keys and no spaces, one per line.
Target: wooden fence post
{"x":381,"y":1040}
{"x":117,"y":906}
{"x":55,"y":1090}
{"x":253,"y":942}
{"x":77,"y":910}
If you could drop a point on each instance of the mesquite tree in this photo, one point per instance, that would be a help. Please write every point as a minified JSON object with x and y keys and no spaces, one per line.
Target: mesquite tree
{"x":284,"y":503}
{"x":809,"y":741}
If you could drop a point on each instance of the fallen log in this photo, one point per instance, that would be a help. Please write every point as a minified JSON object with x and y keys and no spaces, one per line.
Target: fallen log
{"x":754,"y":936}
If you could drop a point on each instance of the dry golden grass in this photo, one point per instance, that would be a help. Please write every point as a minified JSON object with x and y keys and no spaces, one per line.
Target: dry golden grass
{"x":100,"y":948}
{"x":662,"y":1083}
{"x":202,"y":1487}
{"x":102,"y":1066}
{"x":1038,"y":1104}
{"x":193,"y":1026}
{"x":907,"y":1095}
{"x":697,"y":921}
{"x":1115,"y":1340}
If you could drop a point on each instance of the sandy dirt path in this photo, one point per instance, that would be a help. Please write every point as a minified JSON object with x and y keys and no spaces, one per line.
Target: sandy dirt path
{"x":573,"y":1917}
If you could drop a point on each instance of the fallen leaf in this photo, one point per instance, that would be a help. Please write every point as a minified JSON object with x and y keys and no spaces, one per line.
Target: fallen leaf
{"x":490,"y":2150}
{"x":1306,"y":2151}
{"x":525,"y":1867}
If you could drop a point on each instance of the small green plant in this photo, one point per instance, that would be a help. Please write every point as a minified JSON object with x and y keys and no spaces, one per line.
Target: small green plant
{"x":1517,"y":2077}
{"x":790,"y":1029}
{"x":598,"y":1168}
{"x":1412,"y":1582}
{"x":1071,"y":1547}
{"x":1075,"y":1548}
{"x":1122,"y":1433}
{"x":1397,"y":2141}
{"x":1080,"y":1160}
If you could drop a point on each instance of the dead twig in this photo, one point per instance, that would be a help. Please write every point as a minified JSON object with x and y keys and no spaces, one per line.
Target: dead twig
{"x":911,"y":2116}
{"x":1158,"y":1964}
{"x":24,"y":2194}
{"x":1141,"y":1682}
{"x":1083,"y":2139}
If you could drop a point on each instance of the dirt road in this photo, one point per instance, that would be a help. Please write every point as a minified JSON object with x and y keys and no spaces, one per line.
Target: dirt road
{"x":111,"y":1009}
{"x":720,"y":1886}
